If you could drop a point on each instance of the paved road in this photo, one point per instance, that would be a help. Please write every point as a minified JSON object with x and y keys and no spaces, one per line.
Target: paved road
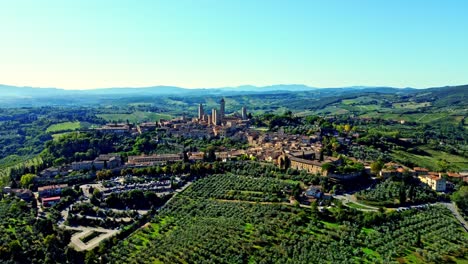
{"x":39,"y":206}
{"x":454,"y":209}
{"x":348,"y":198}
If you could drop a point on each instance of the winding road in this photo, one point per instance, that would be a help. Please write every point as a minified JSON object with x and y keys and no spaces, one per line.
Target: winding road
{"x":348,"y":198}
{"x":454,"y":209}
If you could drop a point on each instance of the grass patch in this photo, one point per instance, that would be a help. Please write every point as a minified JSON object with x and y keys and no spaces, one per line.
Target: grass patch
{"x":248,"y":229}
{"x":412,"y":258}
{"x":58,"y":135}
{"x":65,"y":126}
{"x":250,"y":192}
{"x":430,"y":162}
{"x":370,"y":252}
{"x":461,"y":261}
{"x":262,"y":129}
{"x":331,"y":226}
{"x":367,"y":230}
{"x":411,"y":105}
{"x":91,"y":236}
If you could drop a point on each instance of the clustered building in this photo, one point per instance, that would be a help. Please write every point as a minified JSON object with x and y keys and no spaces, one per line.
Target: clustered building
{"x":218,"y":117}
{"x":106,"y":161}
{"x":432,"y":179}
{"x":157,"y":159}
{"x":24,"y":194}
{"x":285,"y":150}
{"x":115,"y":129}
{"x":50,"y":194}
{"x":205,"y":124}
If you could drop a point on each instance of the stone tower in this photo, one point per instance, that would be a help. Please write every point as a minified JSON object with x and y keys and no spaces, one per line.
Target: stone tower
{"x":221,"y":110}
{"x":201,"y":113}
{"x":244,"y":113}
{"x":214,"y":117}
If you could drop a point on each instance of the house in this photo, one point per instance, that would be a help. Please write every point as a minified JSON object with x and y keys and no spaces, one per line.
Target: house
{"x":115,"y":129}
{"x":23,"y":194}
{"x":157,"y":159}
{"x":104,"y":161}
{"x":420,"y":171}
{"x":82,"y":165}
{"x":107,"y":161}
{"x":144,"y":127}
{"x":49,"y":201}
{"x":392,"y":169}
{"x":454,"y":175}
{"x":311,"y":166}
{"x":195,"y":156}
{"x":50,"y":172}
{"x":436,"y":183}
{"x":51,"y":190}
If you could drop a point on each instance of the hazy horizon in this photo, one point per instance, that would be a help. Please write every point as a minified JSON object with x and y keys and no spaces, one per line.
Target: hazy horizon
{"x":224,"y":86}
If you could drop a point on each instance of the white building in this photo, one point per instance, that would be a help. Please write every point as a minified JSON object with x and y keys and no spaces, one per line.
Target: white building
{"x":436,"y":183}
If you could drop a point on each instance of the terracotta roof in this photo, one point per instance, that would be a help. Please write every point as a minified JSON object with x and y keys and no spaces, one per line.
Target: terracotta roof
{"x":54,"y":198}
{"x":305,"y":161}
{"x":420,"y":169}
{"x":454,"y":174}
{"x":51,"y":187}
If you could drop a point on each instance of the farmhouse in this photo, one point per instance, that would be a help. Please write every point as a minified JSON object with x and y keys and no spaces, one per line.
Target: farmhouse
{"x":436,"y":183}
{"x":23,"y":194}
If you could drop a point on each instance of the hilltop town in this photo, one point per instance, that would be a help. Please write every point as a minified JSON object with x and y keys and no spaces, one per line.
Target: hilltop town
{"x":104,"y":183}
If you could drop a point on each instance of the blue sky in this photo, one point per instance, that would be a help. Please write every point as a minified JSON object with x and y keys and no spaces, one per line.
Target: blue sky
{"x":212,"y":43}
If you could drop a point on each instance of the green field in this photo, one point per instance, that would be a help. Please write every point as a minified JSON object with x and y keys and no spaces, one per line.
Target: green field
{"x":135,"y":117}
{"x":57,"y":136}
{"x":426,"y":118}
{"x":411,"y":105}
{"x":64,"y":126}
{"x":430,"y":162}
{"x":198,"y":227}
{"x":91,"y":236}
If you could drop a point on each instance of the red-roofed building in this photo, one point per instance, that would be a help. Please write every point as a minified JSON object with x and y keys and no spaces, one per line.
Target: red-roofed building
{"x":454,"y":175}
{"x":436,"y":183}
{"x":49,"y":201}
{"x":420,"y":171}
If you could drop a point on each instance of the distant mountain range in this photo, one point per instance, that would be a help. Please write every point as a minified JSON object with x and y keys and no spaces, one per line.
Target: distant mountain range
{"x":28,"y":92}
{"x":13,"y":96}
